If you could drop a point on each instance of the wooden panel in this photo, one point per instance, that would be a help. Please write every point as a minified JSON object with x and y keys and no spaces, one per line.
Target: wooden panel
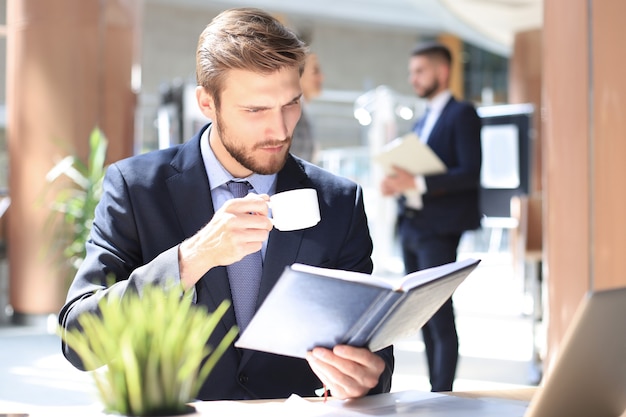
{"x":609,"y":144}
{"x":584,"y":131}
{"x":525,"y":72}
{"x":566,"y":163}
{"x":121,"y":50}
{"x":456,"y":75}
{"x":68,"y":71}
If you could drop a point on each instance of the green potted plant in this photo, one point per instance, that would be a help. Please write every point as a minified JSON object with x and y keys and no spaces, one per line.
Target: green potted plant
{"x":155,"y":349}
{"x":154,"y":345}
{"x":78,"y":188}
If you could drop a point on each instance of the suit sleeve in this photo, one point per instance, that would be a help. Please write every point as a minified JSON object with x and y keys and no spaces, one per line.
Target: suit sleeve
{"x":113,"y":255}
{"x":460,"y":151}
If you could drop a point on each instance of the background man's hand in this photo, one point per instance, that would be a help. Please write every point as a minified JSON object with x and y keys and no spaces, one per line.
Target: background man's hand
{"x":397,"y":183}
{"x":347,"y":371}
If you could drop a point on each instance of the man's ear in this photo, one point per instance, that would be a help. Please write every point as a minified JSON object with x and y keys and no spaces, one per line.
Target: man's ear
{"x":445,"y":71}
{"x":205,"y":102}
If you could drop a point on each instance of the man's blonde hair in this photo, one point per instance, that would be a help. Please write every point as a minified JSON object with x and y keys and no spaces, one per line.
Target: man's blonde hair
{"x":246,"y":39}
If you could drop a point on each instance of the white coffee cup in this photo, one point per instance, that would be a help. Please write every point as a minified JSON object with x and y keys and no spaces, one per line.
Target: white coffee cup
{"x":295,"y":209}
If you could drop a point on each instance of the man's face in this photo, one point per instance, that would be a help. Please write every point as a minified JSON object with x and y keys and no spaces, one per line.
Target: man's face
{"x":424,"y":76}
{"x":255,"y":121}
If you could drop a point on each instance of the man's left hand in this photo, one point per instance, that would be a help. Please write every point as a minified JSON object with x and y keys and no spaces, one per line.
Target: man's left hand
{"x":398,"y":182}
{"x":347,"y":371}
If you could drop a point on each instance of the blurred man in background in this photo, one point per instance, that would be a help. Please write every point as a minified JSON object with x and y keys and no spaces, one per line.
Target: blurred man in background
{"x":304,"y":143}
{"x":435,"y":210}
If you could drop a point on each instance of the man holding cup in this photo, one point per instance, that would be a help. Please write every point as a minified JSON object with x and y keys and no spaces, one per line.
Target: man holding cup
{"x":175,"y":213}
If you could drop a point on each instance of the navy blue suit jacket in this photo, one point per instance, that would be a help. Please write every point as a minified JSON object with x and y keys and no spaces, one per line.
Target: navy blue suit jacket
{"x":152,"y":202}
{"x":451,"y":203}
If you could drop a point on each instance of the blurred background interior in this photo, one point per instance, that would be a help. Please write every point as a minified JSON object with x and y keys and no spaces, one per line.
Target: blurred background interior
{"x":545,"y":76}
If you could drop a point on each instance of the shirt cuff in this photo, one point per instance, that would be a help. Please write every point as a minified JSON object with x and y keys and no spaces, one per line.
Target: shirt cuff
{"x":420,"y":184}
{"x":414,"y":196}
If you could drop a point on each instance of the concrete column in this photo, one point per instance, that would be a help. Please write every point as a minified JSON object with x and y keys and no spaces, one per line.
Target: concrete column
{"x":69,"y":66}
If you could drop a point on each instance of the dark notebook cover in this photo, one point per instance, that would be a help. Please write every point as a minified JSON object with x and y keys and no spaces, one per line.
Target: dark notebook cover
{"x":312,"y":306}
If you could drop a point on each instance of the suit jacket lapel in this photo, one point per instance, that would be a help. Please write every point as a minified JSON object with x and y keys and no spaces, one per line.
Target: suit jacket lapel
{"x":434,"y":133}
{"x":282,"y":247}
{"x":189,"y":188}
{"x":190,"y":191}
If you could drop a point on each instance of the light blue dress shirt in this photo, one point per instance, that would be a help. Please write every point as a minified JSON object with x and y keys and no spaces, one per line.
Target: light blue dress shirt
{"x":219,"y":176}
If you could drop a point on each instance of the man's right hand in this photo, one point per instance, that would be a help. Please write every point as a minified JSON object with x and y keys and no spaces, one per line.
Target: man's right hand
{"x":237,"y":229}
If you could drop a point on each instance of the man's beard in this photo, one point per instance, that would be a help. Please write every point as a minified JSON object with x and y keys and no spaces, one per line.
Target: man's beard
{"x":244,"y":156}
{"x":430,"y":91}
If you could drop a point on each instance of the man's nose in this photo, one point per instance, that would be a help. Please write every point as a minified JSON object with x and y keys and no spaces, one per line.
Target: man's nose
{"x":278,"y":125}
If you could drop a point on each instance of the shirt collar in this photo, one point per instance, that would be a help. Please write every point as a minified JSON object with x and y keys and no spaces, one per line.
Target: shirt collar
{"x":437,"y":103}
{"x":218,"y":175}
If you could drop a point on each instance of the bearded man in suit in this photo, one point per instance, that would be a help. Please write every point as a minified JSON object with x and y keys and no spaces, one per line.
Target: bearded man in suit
{"x":171,"y":214}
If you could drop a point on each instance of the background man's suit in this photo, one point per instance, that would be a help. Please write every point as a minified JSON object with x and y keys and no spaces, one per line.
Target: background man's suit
{"x":152,"y":202}
{"x":430,"y":236}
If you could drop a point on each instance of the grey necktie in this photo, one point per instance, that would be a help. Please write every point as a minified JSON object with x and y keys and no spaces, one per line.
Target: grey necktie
{"x":244,"y":275}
